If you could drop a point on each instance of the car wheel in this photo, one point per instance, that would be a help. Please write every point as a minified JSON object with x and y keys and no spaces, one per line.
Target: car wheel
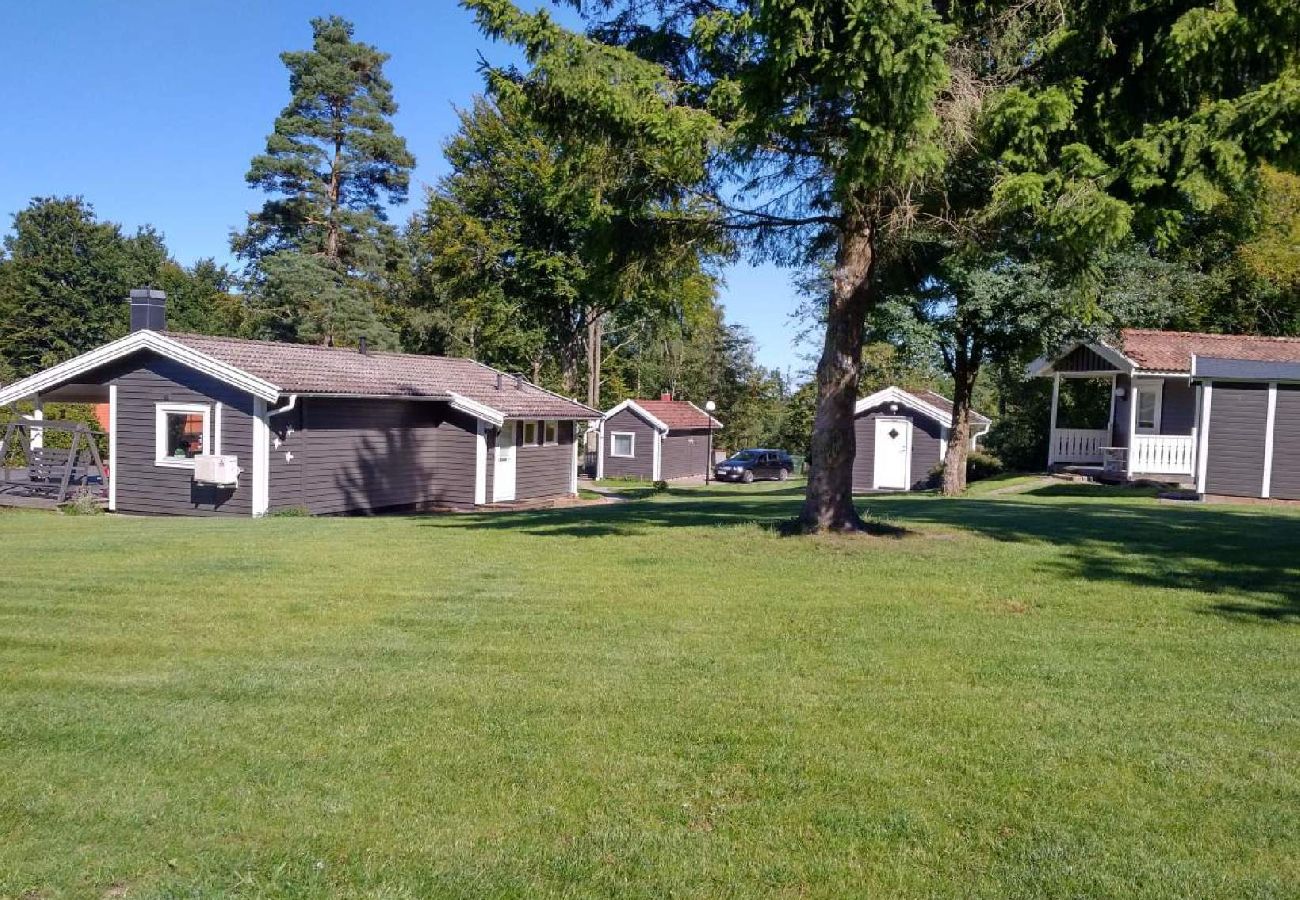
{"x":748,"y":477}
{"x":783,"y":475}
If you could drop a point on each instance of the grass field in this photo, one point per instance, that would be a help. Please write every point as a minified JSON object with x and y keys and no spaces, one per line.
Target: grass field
{"x":1062,"y":692}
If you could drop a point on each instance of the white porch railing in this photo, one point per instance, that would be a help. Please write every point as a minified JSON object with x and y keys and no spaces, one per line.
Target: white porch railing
{"x":1160,"y":454}
{"x":1078,"y":445}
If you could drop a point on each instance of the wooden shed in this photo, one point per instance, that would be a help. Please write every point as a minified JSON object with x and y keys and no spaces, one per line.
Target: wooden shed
{"x":901,"y":437}
{"x":658,"y":440}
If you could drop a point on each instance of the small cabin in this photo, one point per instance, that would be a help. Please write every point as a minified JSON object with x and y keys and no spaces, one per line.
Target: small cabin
{"x":657,"y":440}
{"x":901,"y":436}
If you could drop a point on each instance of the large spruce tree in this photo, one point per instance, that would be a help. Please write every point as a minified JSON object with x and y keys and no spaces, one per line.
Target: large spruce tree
{"x":839,"y":115}
{"x":332,"y":165}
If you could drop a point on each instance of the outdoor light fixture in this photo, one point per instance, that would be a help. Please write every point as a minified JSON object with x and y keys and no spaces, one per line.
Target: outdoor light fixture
{"x":893,"y":407}
{"x":709,"y":407}
{"x":1120,"y":392}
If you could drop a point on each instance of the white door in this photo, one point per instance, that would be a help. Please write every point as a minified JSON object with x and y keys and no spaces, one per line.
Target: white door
{"x":503,"y":474}
{"x":893,"y":453}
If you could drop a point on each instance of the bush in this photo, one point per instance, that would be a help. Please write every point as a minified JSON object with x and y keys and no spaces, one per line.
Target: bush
{"x":660,"y":486}
{"x":980,"y":464}
{"x":83,"y":503}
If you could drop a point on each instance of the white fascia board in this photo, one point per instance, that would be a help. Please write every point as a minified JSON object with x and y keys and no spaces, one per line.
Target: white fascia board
{"x":637,"y":408}
{"x":124,"y":346}
{"x":705,"y":413}
{"x":1043,"y":365}
{"x":897,"y":395}
{"x":474,"y":408}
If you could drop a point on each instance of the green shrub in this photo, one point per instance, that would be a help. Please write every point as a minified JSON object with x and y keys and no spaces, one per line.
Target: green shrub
{"x":660,"y":486}
{"x":290,"y":512}
{"x":83,"y":503}
{"x":980,"y":464}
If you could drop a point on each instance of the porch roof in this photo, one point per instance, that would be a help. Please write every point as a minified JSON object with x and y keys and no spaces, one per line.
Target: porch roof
{"x":1145,"y":350}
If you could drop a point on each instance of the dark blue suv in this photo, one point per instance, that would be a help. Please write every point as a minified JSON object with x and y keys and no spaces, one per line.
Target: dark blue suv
{"x":748,"y":465}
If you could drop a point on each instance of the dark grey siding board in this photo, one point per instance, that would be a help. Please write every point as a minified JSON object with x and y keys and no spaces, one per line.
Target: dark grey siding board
{"x":368,"y":455}
{"x":284,"y":477}
{"x":1235,"y":460}
{"x":927,"y":437}
{"x":146,"y":380}
{"x":684,"y":453}
{"x":1083,"y":359}
{"x":642,"y":465}
{"x":547,"y":470}
{"x":1119,"y":437}
{"x":1286,"y":443}
{"x":1177,"y":407}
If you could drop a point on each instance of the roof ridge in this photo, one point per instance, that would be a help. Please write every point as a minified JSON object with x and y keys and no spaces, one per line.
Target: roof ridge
{"x":315,"y":347}
{"x":1286,"y":339}
{"x":530,"y":383}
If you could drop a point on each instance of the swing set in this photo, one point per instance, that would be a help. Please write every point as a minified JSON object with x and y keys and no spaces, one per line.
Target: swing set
{"x":51,"y":474}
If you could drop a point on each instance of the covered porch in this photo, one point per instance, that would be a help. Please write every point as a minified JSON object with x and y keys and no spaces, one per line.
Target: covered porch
{"x":1123,"y":424}
{"x":47,"y":460}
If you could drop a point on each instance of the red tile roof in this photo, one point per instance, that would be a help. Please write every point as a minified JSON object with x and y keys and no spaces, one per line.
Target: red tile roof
{"x":678,"y":413}
{"x":1171,"y":351}
{"x":312,"y":369}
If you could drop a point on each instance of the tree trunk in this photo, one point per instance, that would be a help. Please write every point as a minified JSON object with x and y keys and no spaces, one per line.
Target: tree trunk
{"x":828,"y":502}
{"x":335,"y":193}
{"x":966,"y":365}
{"x":595,"y":357}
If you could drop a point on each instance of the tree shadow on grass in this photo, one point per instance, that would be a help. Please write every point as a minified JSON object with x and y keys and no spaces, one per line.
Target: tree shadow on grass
{"x":1246,"y":557}
{"x":1249,"y":557}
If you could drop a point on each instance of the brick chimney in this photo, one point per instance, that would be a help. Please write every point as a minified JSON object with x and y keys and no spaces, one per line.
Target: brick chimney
{"x":666,"y":395}
{"x":148,"y":309}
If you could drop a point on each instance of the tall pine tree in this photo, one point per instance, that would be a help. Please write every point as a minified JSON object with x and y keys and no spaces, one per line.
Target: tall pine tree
{"x":332,"y":164}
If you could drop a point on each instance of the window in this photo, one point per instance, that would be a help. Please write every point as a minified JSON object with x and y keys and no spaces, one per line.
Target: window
{"x":1147,"y":399}
{"x":622,"y":443}
{"x":530,"y":434}
{"x":182,"y":432}
{"x":551,"y":430}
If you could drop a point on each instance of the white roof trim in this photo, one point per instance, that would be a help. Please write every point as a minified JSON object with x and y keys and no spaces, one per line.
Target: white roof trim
{"x":124,"y":346}
{"x":894,"y":394}
{"x":640,"y":411}
{"x":1043,"y":365}
{"x":706,"y":414}
{"x":476,"y":409}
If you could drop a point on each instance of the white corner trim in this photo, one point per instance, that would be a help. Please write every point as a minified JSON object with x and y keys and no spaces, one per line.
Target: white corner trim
{"x":480,"y":464}
{"x":261,"y":459}
{"x":478,"y":410}
{"x":139,"y":340}
{"x":656,"y":441}
{"x":112,"y":448}
{"x":640,"y":411}
{"x":1269,"y":422}
{"x":573,"y":474}
{"x":600,"y":449}
{"x":216,"y":428}
{"x":1203,"y":440}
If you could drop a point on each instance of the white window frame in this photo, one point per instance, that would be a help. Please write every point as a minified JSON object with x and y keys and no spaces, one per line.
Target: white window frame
{"x":550,"y":433}
{"x":1156,"y":387}
{"x":524,"y":439}
{"x":161,"y":411}
{"x":613,"y":435}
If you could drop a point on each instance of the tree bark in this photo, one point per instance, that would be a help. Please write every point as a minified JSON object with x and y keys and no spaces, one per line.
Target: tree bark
{"x":828,"y":501}
{"x":595,"y":358}
{"x":335,"y":193}
{"x":965,"y":369}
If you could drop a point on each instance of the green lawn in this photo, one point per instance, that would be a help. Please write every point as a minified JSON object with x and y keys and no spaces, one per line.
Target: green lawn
{"x":1065,"y":692}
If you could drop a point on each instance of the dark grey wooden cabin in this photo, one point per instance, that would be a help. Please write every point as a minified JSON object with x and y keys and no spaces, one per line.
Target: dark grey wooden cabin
{"x":901,"y":436}
{"x":1220,"y":412}
{"x":331,"y":430}
{"x":657,"y":440}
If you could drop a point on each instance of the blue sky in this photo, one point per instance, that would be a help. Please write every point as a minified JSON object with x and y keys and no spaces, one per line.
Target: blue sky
{"x":151,"y":110}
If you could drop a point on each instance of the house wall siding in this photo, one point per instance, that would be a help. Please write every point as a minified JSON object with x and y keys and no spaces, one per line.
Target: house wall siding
{"x":145,"y":380}
{"x":1178,"y":407}
{"x":1083,"y":359}
{"x":1286,"y":442}
{"x":1120,"y":433}
{"x":926,"y":442}
{"x":642,"y":464}
{"x":685,"y":453}
{"x":1235,"y":461}
{"x":545,"y":470}
{"x":367,"y":455}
